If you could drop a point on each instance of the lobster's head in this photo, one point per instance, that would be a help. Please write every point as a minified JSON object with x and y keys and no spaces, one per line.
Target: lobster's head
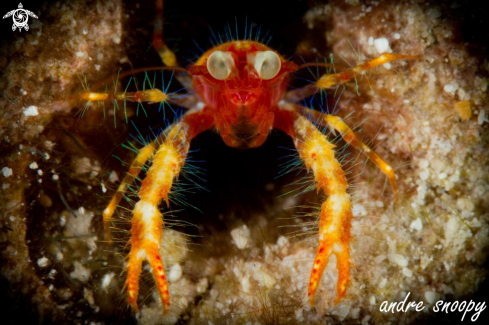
{"x":242,"y":82}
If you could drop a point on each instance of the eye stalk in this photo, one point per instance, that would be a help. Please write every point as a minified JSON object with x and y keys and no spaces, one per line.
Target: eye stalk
{"x":220,"y":64}
{"x":267,"y":63}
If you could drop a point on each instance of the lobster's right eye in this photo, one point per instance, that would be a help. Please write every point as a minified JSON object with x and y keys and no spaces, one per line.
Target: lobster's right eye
{"x":267,"y":63}
{"x":220,"y":64}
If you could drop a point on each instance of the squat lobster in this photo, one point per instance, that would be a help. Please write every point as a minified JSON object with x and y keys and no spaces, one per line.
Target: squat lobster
{"x":241,"y":89}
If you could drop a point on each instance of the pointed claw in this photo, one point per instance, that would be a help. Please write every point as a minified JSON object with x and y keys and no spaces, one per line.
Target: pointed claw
{"x":160,"y":277}
{"x":146,"y":234}
{"x":325,"y":249}
{"x":134,"y":265}
{"x":343,"y":266}
{"x":132,"y":281}
{"x":320,"y":262}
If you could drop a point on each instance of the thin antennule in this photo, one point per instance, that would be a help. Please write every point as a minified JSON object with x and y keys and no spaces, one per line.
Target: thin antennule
{"x":321,"y":64}
{"x":135,"y":71}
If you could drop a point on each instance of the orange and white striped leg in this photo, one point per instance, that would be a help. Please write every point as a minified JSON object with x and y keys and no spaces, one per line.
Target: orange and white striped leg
{"x":329,"y":80}
{"x":147,"y":221}
{"x":145,"y":242}
{"x":151,"y":95}
{"x":334,"y":238}
{"x":335,"y":215}
{"x":143,"y":155}
{"x":335,"y":123}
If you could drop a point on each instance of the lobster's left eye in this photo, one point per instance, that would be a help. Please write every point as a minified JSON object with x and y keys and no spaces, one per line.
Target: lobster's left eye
{"x":266,"y":63}
{"x":220,"y":64}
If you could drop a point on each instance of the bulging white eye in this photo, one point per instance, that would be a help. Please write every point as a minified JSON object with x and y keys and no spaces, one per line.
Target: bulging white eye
{"x":220,"y":64}
{"x":266,"y":63}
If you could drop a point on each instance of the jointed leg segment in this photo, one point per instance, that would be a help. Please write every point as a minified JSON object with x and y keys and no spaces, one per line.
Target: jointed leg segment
{"x":166,"y":55}
{"x":330,"y":80}
{"x":335,"y":214}
{"x":144,"y":155}
{"x":335,"y":123}
{"x":147,"y":221}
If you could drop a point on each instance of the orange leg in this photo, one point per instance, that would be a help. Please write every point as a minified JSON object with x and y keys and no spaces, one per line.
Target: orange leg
{"x":147,"y":221}
{"x":151,"y":95}
{"x":144,"y":155}
{"x":335,"y":123}
{"x":330,"y":80}
{"x":146,"y":232}
{"x":166,"y":55}
{"x":335,"y":215}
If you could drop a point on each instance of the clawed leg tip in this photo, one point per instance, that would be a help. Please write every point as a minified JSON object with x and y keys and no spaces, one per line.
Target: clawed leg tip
{"x":166,"y":308}
{"x":339,"y":297}
{"x":135,"y":309}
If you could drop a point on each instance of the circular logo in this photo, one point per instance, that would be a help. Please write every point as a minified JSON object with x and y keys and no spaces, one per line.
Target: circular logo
{"x":20,"y":17}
